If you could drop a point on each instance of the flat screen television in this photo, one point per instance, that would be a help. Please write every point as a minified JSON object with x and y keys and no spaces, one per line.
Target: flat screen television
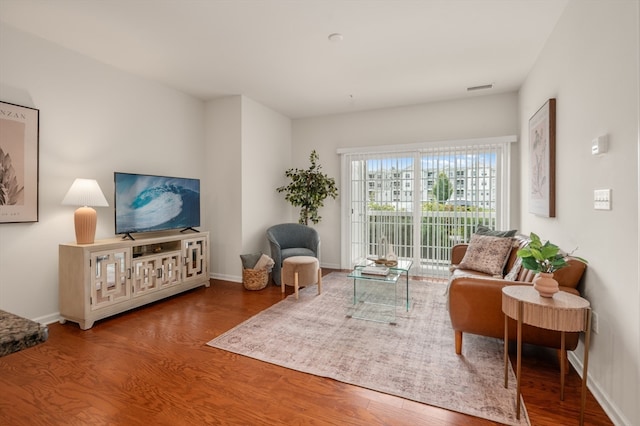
{"x":145,"y":203}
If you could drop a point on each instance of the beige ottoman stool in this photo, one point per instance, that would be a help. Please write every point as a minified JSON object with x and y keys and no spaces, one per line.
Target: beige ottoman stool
{"x":301,"y":271}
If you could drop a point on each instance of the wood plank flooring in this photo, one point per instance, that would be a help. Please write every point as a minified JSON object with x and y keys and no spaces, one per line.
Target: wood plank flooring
{"x":151,"y":366}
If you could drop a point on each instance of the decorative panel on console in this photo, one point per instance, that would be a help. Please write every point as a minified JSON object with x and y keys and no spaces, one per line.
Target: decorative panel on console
{"x":170,"y":270}
{"x":151,"y":273}
{"x":109,"y":273}
{"x":195,"y":260}
{"x":144,"y":275}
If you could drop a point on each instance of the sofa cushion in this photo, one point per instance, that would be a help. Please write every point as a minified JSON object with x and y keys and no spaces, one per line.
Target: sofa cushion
{"x":484,"y":230}
{"x":486,"y":254}
{"x":297,"y":251}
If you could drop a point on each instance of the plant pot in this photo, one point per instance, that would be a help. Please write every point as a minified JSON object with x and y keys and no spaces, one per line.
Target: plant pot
{"x":545,"y":284}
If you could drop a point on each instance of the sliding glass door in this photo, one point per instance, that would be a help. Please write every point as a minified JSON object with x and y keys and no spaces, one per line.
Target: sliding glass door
{"x":422,"y":200}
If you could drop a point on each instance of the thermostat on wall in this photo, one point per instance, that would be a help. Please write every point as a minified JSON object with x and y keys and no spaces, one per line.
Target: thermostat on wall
{"x":599,"y":145}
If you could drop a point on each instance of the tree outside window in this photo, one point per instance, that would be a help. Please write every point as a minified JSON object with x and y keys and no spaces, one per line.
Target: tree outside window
{"x":443,"y":188}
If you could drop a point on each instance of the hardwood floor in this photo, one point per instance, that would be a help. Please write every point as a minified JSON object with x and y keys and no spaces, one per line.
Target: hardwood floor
{"x":151,"y":366}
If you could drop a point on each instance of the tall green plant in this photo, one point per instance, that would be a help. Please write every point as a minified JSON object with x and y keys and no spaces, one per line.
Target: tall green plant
{"x":308,"y":189}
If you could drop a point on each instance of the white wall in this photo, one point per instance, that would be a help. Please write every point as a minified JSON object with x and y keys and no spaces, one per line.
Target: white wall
{"x":473,"y":117}
{"x":590,"y":64}
{"x":266,"y":154}
{"x":94,"y":120}
{"x":224,"y":178}
{"x":248,"y":150}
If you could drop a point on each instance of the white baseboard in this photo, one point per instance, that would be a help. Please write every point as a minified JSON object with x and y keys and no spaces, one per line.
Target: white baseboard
{"x":48,"y":319}
{"x":224,"y":277}
{"x":609,"y":408}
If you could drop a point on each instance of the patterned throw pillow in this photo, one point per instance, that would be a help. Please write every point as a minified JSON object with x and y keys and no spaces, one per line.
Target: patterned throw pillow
{"x":515,"y":270}
{"x":486,"y":254}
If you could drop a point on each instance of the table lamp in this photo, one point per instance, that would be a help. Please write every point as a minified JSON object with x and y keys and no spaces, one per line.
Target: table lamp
{"x":85,"y":193}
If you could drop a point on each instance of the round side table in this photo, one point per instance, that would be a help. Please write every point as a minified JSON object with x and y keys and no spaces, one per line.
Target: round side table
{"x":564,"y":312}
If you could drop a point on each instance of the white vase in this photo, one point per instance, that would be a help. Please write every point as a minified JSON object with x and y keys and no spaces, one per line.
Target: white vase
{"x":545,"y":284}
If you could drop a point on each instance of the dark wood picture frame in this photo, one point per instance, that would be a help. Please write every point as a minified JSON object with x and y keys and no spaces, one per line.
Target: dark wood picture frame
{"x":19,"y":138}
{"x":542,"y":160}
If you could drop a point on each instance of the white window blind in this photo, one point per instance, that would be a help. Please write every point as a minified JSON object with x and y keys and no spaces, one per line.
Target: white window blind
{"x":422,"y":199}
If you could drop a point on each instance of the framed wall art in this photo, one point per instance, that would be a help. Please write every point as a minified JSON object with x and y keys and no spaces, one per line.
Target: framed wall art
{"x":542,"y":161}
{"x":19,"y":127}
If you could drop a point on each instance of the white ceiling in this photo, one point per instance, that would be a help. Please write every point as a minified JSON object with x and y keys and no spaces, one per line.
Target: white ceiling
{"x":277,"y":52}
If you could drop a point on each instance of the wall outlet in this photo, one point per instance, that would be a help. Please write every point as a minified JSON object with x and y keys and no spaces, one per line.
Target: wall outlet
{"x":595,"y":324}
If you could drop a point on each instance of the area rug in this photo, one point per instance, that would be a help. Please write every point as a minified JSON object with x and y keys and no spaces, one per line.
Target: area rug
{"x":413,"y":359}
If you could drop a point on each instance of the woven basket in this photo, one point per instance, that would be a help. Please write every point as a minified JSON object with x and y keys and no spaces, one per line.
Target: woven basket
{"x":255,"y":279}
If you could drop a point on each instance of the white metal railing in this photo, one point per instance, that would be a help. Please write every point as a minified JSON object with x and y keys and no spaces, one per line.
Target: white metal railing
{"x":437,"y":235}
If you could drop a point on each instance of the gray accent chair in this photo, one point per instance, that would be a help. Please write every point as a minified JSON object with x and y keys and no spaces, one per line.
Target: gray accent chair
{"x":291,"y":239}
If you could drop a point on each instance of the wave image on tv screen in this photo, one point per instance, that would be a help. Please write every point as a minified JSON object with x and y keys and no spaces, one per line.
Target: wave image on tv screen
{"x":153,"y":203}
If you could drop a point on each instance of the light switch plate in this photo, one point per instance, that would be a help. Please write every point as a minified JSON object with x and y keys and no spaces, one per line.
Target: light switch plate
{"x":602,"y":199}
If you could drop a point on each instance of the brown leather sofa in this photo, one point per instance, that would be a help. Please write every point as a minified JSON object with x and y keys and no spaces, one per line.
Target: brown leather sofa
{"x":475,"y":300}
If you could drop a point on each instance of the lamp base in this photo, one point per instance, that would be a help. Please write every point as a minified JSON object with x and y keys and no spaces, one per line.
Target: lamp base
{"x":85,"y":220}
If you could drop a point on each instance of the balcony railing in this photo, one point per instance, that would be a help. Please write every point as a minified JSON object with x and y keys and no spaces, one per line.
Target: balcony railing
{"x":438,"y":233}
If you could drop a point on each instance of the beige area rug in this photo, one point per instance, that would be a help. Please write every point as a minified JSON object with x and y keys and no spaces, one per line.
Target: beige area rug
{"x":414,"y":359}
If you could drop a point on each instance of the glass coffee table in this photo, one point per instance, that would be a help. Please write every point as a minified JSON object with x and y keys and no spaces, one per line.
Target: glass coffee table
{"x":376,"y":297}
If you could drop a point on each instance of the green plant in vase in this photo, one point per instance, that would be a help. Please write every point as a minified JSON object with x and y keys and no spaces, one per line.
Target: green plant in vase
{"x":308,"y":189}
{"x":544,"y":259}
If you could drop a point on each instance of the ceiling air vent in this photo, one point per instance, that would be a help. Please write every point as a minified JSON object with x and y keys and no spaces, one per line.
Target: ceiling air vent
{"x":484,"y":86}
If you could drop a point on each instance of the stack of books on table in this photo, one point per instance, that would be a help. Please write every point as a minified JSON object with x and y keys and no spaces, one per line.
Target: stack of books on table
{"x":375,"y":270}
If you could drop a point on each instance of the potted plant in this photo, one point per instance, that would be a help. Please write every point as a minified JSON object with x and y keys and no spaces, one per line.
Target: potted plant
{"x":308,"y":189}
{"x":544,"y":259}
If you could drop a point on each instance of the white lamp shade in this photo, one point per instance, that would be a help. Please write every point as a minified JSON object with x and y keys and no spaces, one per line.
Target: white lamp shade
{"x":85,"y":192}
